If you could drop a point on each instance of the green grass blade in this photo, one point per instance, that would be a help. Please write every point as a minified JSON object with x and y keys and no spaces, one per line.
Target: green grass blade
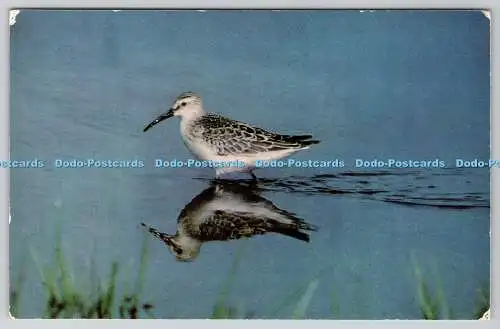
{"x":335,"y":306}
{"x":296,"y":293}
{"x":301,"y":308}
{"x":220,"y":310}
{"x":482,"y":301}
{"x":441,"y":298}
{"x":428,"y":306}
{"x":16,"y":289}
{"x":289,"y":299}
{"x":139,"y":282}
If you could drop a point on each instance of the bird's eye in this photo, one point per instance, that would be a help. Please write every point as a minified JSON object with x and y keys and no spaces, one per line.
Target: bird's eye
{"x":183,"y":104}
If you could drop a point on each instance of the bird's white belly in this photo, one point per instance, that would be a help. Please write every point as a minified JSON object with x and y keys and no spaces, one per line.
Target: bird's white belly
{"x":224,"y":164}
{"x":201,"y":150}
{"x":233,"y":162}
{"x":204,"y":151}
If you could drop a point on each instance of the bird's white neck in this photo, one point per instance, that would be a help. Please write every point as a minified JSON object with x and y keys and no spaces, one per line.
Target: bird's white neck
{"x":191,"y":113}
{"x":187,"y":242}
{"x":189,"y":117}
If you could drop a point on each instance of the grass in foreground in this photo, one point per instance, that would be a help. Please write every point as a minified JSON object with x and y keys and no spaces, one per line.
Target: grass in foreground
{"x":435,"y":307}
{"x":64,"y":299}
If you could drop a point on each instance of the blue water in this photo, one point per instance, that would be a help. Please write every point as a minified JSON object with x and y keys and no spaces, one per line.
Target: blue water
{"x":372,"y":85}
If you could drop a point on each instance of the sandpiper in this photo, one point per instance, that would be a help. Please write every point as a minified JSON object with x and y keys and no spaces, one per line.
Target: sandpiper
{"x":212,"y":137}
{"x":226,"y":212}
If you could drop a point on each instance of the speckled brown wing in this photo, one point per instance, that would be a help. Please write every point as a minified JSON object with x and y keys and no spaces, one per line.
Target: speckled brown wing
{"x":229,"y":137}
{"x":223,"y":225}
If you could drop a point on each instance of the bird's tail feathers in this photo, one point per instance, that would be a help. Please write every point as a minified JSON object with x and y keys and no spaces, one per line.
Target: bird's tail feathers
{"x":303,"y":140}
{"x":307,"y":227}
{"x":291,"y":231}
{"x":297,"y":137}
{"x":309,"y":142}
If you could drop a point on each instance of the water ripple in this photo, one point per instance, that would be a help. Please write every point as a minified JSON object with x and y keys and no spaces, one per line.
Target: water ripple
{"x":441,"y":188}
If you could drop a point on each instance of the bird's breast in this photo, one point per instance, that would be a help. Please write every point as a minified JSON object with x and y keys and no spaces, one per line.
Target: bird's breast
{"x":192,"y":136}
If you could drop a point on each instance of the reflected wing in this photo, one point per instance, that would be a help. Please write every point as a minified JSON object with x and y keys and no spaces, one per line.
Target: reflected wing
{"x":223,"y":225}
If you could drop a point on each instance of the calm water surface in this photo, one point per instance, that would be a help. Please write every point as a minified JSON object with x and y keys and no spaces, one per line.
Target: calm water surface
{"x":404,"y":85}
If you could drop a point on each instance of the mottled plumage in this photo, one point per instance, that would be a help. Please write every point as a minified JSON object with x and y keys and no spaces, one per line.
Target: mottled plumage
{"x":229,"y":212}
{"x":210,"y":136}
{"x":228,"y":137}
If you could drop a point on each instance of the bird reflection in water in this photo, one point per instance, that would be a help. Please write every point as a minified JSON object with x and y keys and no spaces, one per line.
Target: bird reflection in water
{"x":229,"y":210}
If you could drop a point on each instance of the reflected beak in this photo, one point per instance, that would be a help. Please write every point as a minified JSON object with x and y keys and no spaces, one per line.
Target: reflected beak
{"x":159,"y":119}
{"x":166,"y":238}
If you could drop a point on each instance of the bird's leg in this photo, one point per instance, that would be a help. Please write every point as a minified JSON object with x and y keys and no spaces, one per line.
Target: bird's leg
{"x":217,"y":175}
{"x":218,"y":180}
{"x":254,"y":178}
{"x":254,"y":181}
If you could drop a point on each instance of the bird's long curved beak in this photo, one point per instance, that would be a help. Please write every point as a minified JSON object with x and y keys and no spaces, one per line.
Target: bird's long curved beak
{"x":159,"y":119}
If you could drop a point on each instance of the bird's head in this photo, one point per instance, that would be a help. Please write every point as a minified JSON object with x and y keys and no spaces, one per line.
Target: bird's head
{"x":184,"y":248}
{"x":186,"y":105}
